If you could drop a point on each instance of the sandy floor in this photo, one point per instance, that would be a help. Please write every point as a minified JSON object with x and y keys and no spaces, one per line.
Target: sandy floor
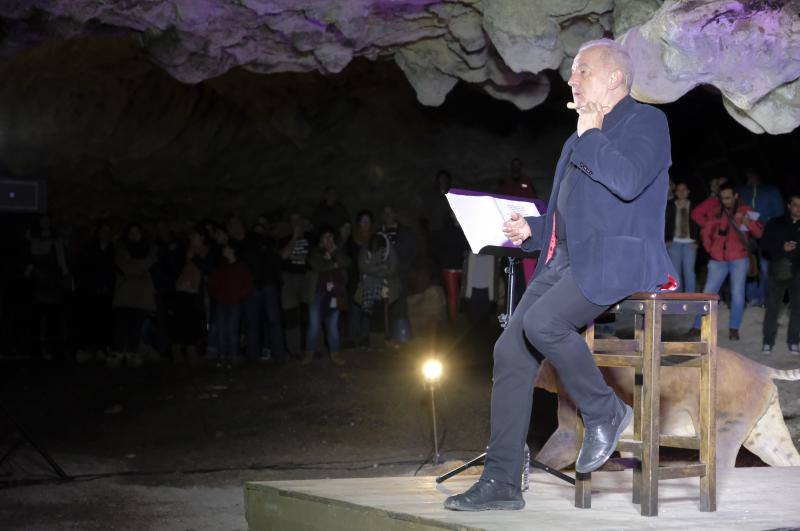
{"x":167,"y":447}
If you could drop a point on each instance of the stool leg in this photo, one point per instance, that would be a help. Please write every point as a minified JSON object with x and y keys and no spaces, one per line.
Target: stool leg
{"x":708,"y":430}
{"x":651,"y":365}
{"x":638,"y":332}
{"x":583,"y":482}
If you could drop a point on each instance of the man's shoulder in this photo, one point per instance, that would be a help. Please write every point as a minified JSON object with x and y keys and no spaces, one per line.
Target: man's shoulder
{"x":647,"y":111}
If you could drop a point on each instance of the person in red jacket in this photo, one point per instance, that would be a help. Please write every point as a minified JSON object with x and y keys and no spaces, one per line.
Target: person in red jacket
{"x":229,"y":284}
{"x":725,"y":230}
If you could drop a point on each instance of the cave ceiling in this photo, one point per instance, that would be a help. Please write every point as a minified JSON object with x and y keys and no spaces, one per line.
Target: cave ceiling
{"x":747,"y":50}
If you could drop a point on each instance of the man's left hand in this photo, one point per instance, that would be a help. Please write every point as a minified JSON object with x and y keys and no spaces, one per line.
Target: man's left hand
{"x":590,"y":115}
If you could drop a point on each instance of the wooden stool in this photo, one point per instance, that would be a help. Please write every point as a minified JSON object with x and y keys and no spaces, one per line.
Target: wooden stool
{"x":646,"y":353}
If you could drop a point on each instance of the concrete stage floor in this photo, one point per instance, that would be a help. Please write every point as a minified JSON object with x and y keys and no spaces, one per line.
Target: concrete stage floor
{"x":748,"y":498}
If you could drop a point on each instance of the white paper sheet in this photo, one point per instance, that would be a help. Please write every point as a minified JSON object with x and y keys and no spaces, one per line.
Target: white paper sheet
{"x":482,"y":216}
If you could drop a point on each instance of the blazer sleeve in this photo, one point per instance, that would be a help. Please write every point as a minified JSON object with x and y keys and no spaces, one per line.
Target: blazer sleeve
{"x":628,"y":162}
{"x":536,"y":241}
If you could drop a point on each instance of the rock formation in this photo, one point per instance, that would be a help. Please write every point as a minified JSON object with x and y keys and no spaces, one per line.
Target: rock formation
{"x":748,"y":49}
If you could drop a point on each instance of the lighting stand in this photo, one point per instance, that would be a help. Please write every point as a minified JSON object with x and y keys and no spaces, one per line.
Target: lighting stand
{"x":433,"y":416}
{"x":23,"y":435}
{"x":513,"y":256}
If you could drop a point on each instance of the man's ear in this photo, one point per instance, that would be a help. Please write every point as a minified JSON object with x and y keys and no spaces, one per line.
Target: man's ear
{"x":615,"y":79}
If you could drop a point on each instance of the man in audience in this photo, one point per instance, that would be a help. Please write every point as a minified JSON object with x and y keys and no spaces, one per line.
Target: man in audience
{"x":726,"y":229}
{"x":779,"y":244}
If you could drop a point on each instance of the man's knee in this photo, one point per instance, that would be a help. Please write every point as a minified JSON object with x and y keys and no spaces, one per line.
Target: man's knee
{"x":543,"y":330}
{"x":510,"y":353}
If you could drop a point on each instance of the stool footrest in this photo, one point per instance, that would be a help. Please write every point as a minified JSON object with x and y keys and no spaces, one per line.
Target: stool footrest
{"x":682,"y":471}
{"x":680,"y":441}
{"x":684,"y":348}
{"x":618,"y":360}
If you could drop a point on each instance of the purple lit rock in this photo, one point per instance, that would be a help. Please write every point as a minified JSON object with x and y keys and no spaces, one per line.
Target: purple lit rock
{"x":748,"y":49}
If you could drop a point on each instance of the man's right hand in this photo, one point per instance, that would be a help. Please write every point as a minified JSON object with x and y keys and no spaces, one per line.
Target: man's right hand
{"x":517,"y":229}
{"x":789,"y":246}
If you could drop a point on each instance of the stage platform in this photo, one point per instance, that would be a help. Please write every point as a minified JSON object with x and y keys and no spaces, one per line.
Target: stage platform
{"x":748,"y":498}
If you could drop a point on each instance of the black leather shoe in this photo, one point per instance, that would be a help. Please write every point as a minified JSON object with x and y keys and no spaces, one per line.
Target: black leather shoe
{"x":599,"y":442}
{"x":486,"y":495}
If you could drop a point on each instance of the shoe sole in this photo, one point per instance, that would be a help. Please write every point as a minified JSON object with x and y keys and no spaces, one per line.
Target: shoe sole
{"x":493,"y":506}
{"x":626,"y":420}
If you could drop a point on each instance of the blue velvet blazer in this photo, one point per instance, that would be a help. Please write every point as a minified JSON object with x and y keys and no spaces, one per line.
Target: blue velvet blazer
{"x":616,"y":205}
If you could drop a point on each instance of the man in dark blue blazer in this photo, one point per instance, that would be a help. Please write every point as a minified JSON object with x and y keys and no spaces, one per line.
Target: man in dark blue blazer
{"x":601,"y":240}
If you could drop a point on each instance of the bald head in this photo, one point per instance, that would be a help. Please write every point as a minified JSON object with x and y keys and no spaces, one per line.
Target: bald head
{"x":615,"y":57}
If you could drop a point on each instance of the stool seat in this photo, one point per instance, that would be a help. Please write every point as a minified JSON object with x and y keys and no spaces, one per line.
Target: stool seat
{"x":646,"y":353}
{"x":672,"y":296}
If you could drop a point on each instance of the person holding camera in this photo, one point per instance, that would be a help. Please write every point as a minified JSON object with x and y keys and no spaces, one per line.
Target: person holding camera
{"x":779,"y":244}
{"x":725,"y":232}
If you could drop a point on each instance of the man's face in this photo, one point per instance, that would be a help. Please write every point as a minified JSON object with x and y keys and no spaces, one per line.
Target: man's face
{"x":716,"y":182}
{"x":134,"y":234}
{"x":389,"y":217}
{"x":590,"y":77}
{"x":682,"y":192}
{"x":327,"y":241}
{"x":794,"y":207}
{"x":728,"y":197}
{"x":516,"y":167}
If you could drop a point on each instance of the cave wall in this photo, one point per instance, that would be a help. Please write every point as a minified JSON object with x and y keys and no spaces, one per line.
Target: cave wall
{"x":117,"y":137}
{"x":747,"y":49}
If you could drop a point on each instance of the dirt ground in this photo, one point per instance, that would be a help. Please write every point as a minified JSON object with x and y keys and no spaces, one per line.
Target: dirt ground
{"x":169,"y":447}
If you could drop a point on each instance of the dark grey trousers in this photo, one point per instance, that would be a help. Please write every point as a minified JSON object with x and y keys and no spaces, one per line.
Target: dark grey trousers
{"x":545,"y":323}
{"x":775,"y":292}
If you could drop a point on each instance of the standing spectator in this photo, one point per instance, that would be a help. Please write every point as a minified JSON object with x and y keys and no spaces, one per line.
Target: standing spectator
{"x":94,"y":282}
{"x":294,"y":255}
{"x":702,"y":212}
{"x":229,"y":285}
{"x":364,"y":228}
{"x":134,"y":294}
{"x":517,"y":184}
{"x":378,"y":286}
{"x":330,"y":211}
{"x":725,"y":238}
{"x":681,"y":234}
{"x":47,"y":267}
{"x":189,"y":301}
{"x":780,"y":245}
{"x":767,"y":201}
{"x":326,"y":285}
{"x":448,"y":249}
{"x":262,"y":308}
{"x":403,"y":242}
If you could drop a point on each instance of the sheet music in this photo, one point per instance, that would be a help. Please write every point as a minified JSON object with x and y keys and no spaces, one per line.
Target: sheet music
{"x":482,"y":216}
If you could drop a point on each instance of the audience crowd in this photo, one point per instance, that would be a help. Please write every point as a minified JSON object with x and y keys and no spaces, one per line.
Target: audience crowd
{"x":296,"y":282}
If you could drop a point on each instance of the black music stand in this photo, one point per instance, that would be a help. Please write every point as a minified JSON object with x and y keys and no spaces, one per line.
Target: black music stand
{"x":513,"y":256}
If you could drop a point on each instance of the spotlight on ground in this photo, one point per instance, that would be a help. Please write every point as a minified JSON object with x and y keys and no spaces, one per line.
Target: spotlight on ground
{"x":432,"y":370}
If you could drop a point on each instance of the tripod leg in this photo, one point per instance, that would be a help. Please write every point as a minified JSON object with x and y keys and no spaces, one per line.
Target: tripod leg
{"x":14,"y":447}
{"x":469,"y":464}
{"x":57,"y":469}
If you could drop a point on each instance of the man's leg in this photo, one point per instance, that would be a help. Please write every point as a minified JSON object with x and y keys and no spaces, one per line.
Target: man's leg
{"x":675,"y":251}
{"x":717,"y":271}
{"x":773,"y":311}
{"x":793,"y":334}
{"x":689,"y":258}
{"x":515,"y":369}
{"x":738,"y":272}
{"x":551,"y":325}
